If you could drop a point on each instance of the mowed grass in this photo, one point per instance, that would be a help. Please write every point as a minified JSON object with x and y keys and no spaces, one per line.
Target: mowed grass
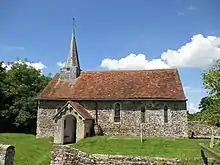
{"x":28,"y":149}
{"x":152,"y":146}
{"x":32,"y":151}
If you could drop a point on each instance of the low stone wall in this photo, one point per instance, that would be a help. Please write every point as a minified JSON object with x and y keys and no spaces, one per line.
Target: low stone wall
{"x":201,"y":130}
{"x":62,"y":154}
{"x":6,"y":154}
{"x":65,"y":155}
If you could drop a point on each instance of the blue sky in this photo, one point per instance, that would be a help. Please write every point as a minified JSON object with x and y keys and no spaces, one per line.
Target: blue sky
{"x":107,"y":31}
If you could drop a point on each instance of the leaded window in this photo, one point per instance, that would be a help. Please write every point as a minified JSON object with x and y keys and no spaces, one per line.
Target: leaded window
{"x":142,"y":114}
{"x":165,"y":114}
{"x":117,"y":110}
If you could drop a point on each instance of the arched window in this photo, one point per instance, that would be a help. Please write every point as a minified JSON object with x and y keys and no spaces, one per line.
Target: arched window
{"x":117,"y":110}
{"x":142,"y":114}
{"x":165,"y":114}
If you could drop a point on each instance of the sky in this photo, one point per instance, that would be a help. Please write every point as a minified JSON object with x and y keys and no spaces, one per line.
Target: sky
{"x":113,"y":34}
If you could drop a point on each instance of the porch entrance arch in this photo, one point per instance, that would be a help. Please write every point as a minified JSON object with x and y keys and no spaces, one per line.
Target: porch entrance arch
{"x":69,"y":127}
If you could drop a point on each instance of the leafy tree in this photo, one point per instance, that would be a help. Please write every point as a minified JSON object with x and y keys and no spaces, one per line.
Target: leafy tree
{"x":204,"y":103}
{"x":2,"y":78}
{"x":211,"y":79}
{"x":21,"y":86}
{"x":212,"y":113}
{"x":210,"y":105}
{"x":211,"y":82}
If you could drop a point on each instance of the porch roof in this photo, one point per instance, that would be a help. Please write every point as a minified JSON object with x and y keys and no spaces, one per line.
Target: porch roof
{"x":79,"y":108}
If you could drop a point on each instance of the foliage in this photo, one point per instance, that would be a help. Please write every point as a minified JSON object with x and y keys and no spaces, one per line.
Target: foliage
{"x":215,"y":141}
{"x":20,"y":87}
{"x":200,"y":116}
{"x":210,"y":105}
{"x":29,"y":150}
{"x":2,"y":79}
{"x":152,"y":146}
{"x":211,"y":79}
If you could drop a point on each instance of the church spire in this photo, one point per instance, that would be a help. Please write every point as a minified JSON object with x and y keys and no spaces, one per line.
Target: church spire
{"x":72,"y":59}
{"x":71,"y":69}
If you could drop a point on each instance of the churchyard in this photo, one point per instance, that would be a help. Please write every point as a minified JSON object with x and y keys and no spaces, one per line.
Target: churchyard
{"x":64,"y":116}
{"x":37,"y":151}
{"x":151,"y":146}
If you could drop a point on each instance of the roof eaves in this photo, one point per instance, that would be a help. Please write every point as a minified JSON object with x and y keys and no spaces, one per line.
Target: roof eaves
{"x":112,"y":99}
{"x":60,"y":110}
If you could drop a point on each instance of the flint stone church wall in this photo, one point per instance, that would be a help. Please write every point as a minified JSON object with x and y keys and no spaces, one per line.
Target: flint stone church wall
{"x":131,"y":118}
{"x":6,"y":154}
{"x":202,"y":129}
{"x":46,"y":112}
{"x":103,"y":113}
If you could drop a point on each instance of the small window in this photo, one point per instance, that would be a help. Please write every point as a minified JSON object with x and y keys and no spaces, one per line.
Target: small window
{"x":142,"y":114}
{"x":117,"y":110}
{"x":64,"y":124}
{"x":165,"y":114}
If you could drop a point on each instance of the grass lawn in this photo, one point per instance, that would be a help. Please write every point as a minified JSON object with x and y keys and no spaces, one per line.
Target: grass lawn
{"x":32,"y":151}
{"x":28,"y":149}
{"x":152,"y":146}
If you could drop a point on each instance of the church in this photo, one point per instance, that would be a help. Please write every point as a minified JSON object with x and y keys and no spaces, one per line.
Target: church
{"x":76,"y":103}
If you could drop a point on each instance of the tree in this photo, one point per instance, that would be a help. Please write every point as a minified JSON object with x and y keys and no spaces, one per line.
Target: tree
{"x":2,"y":78}
{"x":21,"y":86}
{"x":204,"y":103}
{"x":211,"y":79}
{"x":210,"y":105}
{"x":2,"y":85}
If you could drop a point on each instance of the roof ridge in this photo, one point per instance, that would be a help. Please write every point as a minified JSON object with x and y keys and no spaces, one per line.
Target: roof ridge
{"x":165,"y":69}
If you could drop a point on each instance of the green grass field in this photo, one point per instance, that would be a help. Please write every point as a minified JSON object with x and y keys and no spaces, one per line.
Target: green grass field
{"x":32,"y":151}
{"x":28,"y":149}
{"x":158,"y":147}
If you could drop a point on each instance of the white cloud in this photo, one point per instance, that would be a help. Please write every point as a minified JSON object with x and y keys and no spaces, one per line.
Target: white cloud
{"x":200,"y":52}
{"x":181,"y":14}
{"x":61,"y":64}
{"x":133,"y":61}
{"x":191,"y":7}
{"x":193,"y":95}
{"x":188,"y":89}
{"x":37,"y":65}
{"x":9,"y":48}
{"x":192,"y":108}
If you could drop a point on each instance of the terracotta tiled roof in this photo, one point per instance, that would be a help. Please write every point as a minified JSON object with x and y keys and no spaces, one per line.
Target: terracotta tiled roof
{"x":79,"y":108}
{"x":82,"y":111}
{"x":138,"y":84}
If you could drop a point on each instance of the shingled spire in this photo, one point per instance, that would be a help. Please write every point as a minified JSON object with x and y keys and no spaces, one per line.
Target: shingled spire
{"x":72,"y":59}
{"x":71,"y":69}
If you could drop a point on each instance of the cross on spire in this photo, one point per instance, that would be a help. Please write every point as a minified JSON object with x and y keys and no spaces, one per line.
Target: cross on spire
{"x":72,"y":59}
{"x":73,"y":30}
{"x":71,"y":69}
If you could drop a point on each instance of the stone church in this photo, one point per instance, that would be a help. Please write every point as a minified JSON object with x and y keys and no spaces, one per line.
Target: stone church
{"x":77,"y":104}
